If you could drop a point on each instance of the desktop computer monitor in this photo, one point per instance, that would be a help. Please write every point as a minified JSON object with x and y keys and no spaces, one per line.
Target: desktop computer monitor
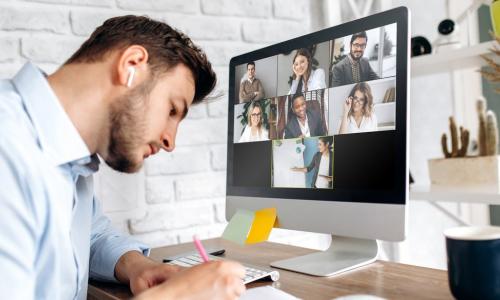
{"x":318,"y":129}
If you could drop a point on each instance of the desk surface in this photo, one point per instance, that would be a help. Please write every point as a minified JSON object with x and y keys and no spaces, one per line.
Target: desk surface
{"x":385,"y":279}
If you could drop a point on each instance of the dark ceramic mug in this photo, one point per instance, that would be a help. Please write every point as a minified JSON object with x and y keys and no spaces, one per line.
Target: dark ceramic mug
{"x":474,"y":262}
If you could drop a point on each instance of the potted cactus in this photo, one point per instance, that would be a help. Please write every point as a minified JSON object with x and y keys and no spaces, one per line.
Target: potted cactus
{"x":480,"y":172}
{"x":456,"y":150}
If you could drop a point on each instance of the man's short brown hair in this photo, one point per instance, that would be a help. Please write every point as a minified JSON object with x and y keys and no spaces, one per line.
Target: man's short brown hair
{"x":166,"y":46}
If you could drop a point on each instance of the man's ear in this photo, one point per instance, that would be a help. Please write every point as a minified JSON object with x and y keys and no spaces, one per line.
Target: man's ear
{"x":132,"y":66}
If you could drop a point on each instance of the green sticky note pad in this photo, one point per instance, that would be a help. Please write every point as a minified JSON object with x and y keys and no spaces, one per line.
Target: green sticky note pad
{"x":239,"y":226}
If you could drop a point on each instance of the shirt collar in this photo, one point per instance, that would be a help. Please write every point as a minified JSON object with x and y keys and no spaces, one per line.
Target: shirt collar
{"x":306,"y":123}
{"x":58,"y":137}
{"x":85,"y":166}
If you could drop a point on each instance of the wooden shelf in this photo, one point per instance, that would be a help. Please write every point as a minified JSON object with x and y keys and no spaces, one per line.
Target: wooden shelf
{"x":487,"y":195}
{"x":449,"y":60}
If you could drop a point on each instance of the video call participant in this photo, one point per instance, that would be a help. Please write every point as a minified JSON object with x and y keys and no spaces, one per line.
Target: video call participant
{"x":255,"y":130}
{"x":303,"y":122}
{"x":354,"y":67}
{"x":358,"y":113}
{"x":250,"y":87}
{"x":304,"y":77}
{"x":321,"y":165}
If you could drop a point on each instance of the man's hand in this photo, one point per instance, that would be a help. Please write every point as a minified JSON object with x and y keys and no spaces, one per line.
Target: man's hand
{"x":141,"y":272}
{"x":211,"y":280}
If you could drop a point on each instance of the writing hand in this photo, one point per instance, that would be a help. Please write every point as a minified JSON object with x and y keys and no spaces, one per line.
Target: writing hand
{"x":210,"y":280}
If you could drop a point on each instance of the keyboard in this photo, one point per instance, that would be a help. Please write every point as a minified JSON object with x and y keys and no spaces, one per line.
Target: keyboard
{"x":252,"y":273}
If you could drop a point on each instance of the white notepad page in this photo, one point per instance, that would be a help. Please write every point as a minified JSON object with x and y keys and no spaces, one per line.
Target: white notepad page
{"x":266,"y":292}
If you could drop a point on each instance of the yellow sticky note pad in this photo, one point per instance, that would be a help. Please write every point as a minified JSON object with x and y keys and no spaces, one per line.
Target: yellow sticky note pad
{"x":262,"y":225}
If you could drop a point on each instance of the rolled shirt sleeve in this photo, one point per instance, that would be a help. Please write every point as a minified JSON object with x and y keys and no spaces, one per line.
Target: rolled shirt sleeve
{"x":107,"y":245}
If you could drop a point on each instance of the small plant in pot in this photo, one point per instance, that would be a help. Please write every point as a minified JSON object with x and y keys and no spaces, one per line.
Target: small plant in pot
{"x":458,"y":169}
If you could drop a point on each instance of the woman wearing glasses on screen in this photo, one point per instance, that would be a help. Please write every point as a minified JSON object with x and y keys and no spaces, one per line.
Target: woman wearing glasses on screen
{"x":255,"y":130}
{"x":321,"y":165}
{"x":358,"y":113}
{"x":304,"y":77}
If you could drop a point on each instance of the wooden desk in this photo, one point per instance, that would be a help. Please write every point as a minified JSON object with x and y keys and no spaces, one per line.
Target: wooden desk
{"x":385,"y":279}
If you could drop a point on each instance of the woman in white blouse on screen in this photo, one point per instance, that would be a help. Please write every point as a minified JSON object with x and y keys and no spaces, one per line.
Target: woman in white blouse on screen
{"x":304,"y":77}
{"x":358,"y":113}
{"x":255,"y":130}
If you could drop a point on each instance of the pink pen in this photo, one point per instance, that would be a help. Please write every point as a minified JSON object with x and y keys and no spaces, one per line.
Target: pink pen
{"x":200,"y":249}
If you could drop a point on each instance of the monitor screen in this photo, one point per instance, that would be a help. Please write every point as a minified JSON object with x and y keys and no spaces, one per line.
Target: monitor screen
{"x":320,"y":117}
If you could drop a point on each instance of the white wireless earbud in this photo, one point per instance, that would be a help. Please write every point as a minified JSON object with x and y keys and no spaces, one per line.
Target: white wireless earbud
{"x":131,"y":74}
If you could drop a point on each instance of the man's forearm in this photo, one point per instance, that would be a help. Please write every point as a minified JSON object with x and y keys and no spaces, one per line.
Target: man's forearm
{"x":128,"y":263}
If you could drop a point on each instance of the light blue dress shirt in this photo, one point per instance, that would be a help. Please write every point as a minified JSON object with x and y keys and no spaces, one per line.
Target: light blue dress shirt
{"x":52,"y":231}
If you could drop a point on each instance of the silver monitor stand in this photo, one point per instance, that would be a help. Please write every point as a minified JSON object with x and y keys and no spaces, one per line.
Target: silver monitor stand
{"x":344,"y":254}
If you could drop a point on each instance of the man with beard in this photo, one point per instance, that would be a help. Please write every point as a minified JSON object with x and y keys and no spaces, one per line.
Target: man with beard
{"x":354,"y":67}
{"x":120,"y":96}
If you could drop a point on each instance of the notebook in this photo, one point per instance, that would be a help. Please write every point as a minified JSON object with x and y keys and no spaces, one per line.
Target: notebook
{"x":266,"y":292}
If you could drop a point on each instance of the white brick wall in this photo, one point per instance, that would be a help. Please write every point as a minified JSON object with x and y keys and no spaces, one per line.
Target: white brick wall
{"x":39,"y":50}
{"x":249,"y":8}
{"x":176,"y":194}
{"x":10,"y":49}
{"x":22,"y":16}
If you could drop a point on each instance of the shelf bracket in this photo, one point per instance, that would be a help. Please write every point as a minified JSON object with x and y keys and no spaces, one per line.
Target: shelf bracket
{"x":449,"y":214}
